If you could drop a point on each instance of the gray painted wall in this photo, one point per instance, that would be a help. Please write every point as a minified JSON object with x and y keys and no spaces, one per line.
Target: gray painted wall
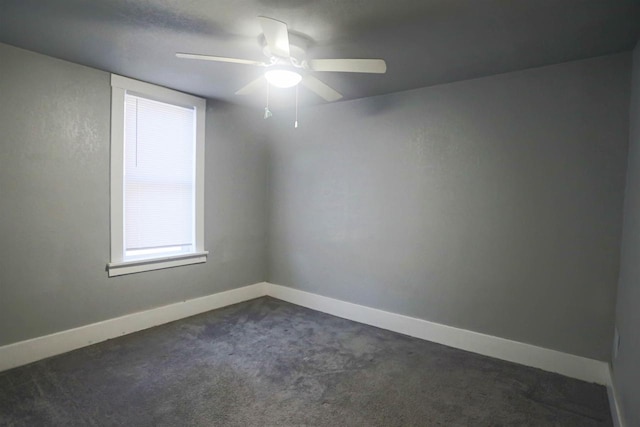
{"x":54,"y":203}
{"x":492,"y":205}
{"x":626,"y":367}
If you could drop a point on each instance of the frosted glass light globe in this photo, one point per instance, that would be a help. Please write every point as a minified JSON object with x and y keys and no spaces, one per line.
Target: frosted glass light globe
{"x":283,"y":78}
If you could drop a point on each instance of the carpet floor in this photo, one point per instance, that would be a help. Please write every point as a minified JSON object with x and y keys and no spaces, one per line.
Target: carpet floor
{"x":269,"y":363}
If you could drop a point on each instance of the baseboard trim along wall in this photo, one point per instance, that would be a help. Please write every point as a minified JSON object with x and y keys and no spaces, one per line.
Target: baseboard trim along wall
{"x":513,"y":351}
{"x":24,"y":352}
{"x":616,"y":412}
{"x":28,"y":351}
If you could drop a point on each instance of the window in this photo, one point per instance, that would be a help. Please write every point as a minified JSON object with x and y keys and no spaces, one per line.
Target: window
{"x":157,"y":177}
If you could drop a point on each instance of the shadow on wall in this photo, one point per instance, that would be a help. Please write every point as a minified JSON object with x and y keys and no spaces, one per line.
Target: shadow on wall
{"x":379,"y":104}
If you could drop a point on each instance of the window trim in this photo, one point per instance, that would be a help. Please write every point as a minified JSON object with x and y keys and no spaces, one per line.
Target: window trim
{"x":119,"y":87}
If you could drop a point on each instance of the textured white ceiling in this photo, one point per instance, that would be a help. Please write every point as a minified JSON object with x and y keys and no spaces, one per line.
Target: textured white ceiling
{"x":424,"y":42}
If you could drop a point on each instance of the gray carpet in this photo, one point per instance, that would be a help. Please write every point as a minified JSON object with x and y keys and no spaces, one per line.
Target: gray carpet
{"x":267,"y":362}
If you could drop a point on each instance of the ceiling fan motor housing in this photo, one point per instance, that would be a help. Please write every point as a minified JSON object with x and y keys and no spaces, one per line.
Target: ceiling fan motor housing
{"x":298,"y":46}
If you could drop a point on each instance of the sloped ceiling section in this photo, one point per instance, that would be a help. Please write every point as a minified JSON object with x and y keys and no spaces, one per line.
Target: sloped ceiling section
{"x":425,"y":42}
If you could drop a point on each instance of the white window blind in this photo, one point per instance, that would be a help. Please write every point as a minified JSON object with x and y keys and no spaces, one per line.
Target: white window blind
{"x":159,"y":178}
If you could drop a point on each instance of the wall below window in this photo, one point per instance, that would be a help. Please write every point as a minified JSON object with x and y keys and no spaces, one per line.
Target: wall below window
{"x":626,"y":370}
{"x":54,"y":198}
{"x":492,"y":205}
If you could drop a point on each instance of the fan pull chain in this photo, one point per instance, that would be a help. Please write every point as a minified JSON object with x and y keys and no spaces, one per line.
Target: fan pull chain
{"x":295,"y":125}
{"x":267,"y":112}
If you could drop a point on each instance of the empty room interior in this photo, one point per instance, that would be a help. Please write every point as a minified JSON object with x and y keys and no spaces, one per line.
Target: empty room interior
{"x":320,"y":213}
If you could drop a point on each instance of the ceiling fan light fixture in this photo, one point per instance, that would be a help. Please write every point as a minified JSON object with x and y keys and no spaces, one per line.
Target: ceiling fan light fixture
{"x":286,"y":53}
{"x":282,"y":78}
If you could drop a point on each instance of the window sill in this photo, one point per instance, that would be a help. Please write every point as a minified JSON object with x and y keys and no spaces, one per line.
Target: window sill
{"x":137,"y":266}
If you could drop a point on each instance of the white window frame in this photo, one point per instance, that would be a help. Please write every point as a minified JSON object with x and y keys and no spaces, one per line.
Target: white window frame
{"x":119,"y":87}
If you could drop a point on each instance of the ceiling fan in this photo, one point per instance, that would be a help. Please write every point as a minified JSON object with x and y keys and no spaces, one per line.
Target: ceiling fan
{"x":287,"y":65}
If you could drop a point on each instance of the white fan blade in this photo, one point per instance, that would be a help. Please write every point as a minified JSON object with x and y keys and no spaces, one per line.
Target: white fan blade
{"x":377,"y":66}
{"x":252,"y":87}
{"x":321,"y":88}
{"x":219,"y":59}
{"x":276,"y":35}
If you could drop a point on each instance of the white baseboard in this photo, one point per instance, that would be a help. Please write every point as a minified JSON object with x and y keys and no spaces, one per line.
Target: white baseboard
{"x":616,"y":413}
{"x":24,"y":352}
{"x":526,"y":354}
